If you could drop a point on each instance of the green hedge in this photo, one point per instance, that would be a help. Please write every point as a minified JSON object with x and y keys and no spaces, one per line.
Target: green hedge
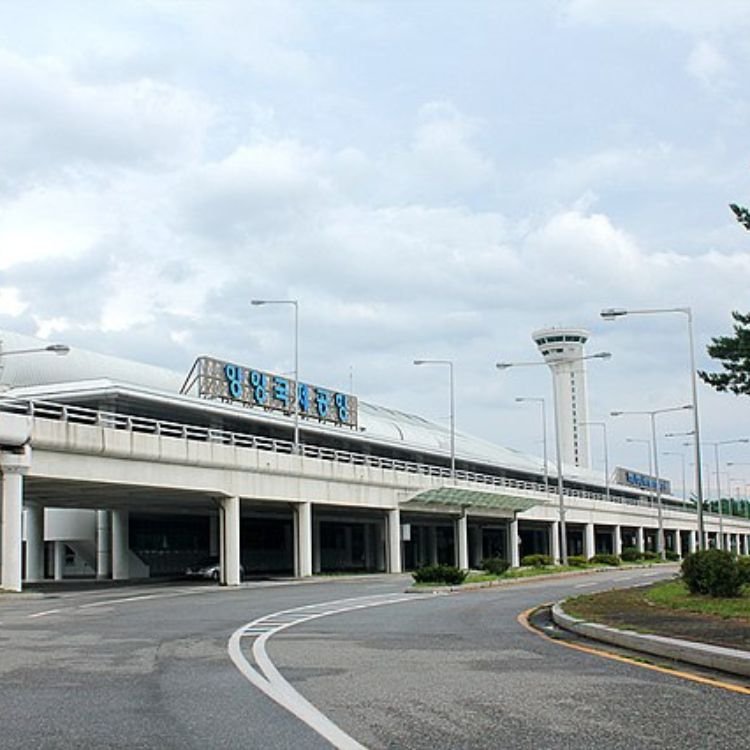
{"x":578,"y":561}
{"x":603,"y":559}
{"x":671,"y":555}
{"x":713,"y":572}
{"x":648,"y":555}
{"x":448,"y":574}
{"x":536,"y":561}
{"x":631,"y":554}
{"x":495,"y":565}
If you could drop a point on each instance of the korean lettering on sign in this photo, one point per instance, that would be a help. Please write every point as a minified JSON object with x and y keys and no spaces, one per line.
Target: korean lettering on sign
{"x":275,"y":392}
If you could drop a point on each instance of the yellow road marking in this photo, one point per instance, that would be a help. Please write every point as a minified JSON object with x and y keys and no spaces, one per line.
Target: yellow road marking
{"x":523,"y":620}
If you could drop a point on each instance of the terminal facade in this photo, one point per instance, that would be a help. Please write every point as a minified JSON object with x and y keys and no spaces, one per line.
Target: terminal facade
{"x":119,"y":470}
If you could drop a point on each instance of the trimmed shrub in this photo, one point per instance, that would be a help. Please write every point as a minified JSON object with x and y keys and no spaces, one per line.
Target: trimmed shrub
{"x":631,"y":554}
{"x":743,"y":563}
{"x":603,"y":559}
{"x":671,"y":555}
{"x":448,"y":574}
{"x":536,"y":561}
{"x":713,"y":572}
{"x":648,"y":555}
{"x":577,"y":561}
{"x":495,"y":565}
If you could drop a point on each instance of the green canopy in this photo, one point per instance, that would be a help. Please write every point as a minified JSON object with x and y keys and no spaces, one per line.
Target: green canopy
{"x":463,"y":498}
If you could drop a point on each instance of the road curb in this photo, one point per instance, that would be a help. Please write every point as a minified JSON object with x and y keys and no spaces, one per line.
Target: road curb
{"x":439,"y":589}
{"x":724,"y":659}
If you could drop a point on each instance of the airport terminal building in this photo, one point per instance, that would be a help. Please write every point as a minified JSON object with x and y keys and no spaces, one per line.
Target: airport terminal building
{"x":112,"y":468}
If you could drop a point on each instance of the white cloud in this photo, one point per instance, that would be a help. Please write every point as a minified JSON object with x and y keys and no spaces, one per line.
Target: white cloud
{"x":708,"y":65}
{"x":11,"y":302}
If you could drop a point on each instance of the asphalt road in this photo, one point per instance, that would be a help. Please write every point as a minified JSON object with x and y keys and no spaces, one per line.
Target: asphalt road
{"x":148,"y":667}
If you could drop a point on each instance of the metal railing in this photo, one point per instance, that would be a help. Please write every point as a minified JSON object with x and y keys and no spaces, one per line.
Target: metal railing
{"x":164,"y":428}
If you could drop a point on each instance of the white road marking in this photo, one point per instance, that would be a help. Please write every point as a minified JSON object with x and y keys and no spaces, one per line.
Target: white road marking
{"x":44,"y":614}
{"x":269,"y":680}
{"x":583,"y":585}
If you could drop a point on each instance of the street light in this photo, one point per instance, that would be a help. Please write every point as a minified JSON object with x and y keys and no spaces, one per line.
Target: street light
{"x":544,"y":435}
{"x":453,"y":407}
{"x":295,"y":397}
{"x":682,"y":462}
{"x":60,"y":349}
{"x":652,"y":414}
{"x":612,"y":313}
{"x":560,"y":493}
{"x":603,"y":425}
{"x":649,"y":455}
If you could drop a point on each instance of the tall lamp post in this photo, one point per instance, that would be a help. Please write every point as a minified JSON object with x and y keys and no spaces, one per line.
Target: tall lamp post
{"x":652,"y":414}
{"x":295,"y":396}
{"x":540,"y":401}
{"x":560,"y":491}
{"x":449,"y":363}
{"x":603,"y":425}
{"x":682,"y":465}
{"x":613,"y":313}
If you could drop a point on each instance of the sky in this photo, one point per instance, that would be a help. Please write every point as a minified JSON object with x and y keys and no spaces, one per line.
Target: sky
{"x":428,"y":179}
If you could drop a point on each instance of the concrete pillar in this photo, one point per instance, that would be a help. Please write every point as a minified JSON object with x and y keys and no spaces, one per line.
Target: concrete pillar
{"x":515,"y":560}
{"x":433,"y":544}
{"x":103,"y":545}
{"x":380,"y":546}
{"x":641,"y":540}
{"x":367,"y":544}
{"x":589,"y":549}
{"x":59,"y":560}
{"x":316,"y":546}
{"x":303,"y":546}
{"x":34,"y":516}
{"x":348,"y":546}
{"x":230,"y":538}
{"x":477,"y":547}
{"x":462,"y":542}
{"x":692,"y":541}
{"x":213,"y":535}
{"x":617,"y":540}
{"x":12,"y":484}
{"x":120,"y":546}
{"x":394,"y":541}
{"x":737,"y":544}
{"x":554,"y":539}
{"x":678,"y":542}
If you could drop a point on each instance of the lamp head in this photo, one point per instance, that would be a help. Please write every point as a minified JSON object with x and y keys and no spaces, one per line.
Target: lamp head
{"x":601,"y":355}
{"x":257,"y":302}
{"x":611,"y":313}
{"x":418,"y":361}
{"x":59,"y":349}
{"x":616,"y":413}
{"x":503,"y":365}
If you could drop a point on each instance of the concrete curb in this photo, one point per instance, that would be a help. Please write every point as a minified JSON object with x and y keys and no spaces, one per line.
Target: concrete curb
{"x":729,"y":660}
{"x":437,"y":588}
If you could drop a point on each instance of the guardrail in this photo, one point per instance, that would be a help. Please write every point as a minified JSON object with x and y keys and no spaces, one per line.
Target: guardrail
{"x":112,"y":420}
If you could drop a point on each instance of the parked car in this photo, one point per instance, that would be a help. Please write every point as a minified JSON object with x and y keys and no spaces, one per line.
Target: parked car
{"x":209,"y":567}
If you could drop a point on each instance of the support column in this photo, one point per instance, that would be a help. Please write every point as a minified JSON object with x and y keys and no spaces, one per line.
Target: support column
{"x":515,"y":560}
{"x":103,"y":545}
{"x":640,"y":542}
{"x":477,"y":547}
{"x":589,"y":549}
{"x":617,"y":540}
{"x":303,"y":540}
{"x":367,"y":544}
{"x":379,"y":546}
{"x":678,"y":542}
{"x":692,"y":541}
{"x":737,"y":544}
{"x":12,"y":483}
{"x":554,"y":541}
{"x":433,"y":544}
{"x":394,"y":541}
{"x":120,"y":546}
{"x":316,"y":547}
{"x":462,"y":542}
{"x":230,"y":538}
{"x":213,"y":535}
{"x":34,"y":542}
{"x":59,"y":560}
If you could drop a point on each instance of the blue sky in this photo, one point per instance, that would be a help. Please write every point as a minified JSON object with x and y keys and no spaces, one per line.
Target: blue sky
{"x":429,"y":179}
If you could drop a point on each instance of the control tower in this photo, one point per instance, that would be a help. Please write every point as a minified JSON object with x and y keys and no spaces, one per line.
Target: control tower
{"x":558,"y":346}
